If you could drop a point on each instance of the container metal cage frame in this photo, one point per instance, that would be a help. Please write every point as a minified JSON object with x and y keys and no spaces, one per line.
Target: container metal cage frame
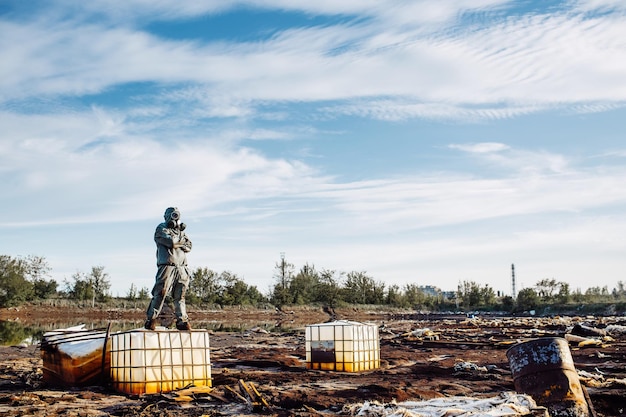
{"x":342,"y":345}
{"x":150,"y":362}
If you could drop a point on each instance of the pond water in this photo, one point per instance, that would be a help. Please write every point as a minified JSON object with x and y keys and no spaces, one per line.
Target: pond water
{"x":14,"y":333}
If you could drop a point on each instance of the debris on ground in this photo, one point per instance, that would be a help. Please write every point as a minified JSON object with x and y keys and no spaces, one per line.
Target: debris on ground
{"x":412,"y":369}
{"x":421,"y":334}
{"x":468,"y":367}
{"x":506,"y":404}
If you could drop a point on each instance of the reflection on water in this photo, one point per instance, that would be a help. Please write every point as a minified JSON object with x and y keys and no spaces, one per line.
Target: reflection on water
{"x":13,"y":333}
{"x":16,"y":333}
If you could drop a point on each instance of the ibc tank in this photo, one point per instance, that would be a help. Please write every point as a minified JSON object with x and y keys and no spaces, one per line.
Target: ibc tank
{"x":342,"y":345}
{"x":149,"y":362}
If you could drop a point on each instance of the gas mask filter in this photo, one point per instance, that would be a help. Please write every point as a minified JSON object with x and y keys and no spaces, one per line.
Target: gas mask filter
{"x":173,"y":222}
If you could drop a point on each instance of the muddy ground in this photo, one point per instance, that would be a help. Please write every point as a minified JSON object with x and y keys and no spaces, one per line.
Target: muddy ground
{"x":458,"y":356}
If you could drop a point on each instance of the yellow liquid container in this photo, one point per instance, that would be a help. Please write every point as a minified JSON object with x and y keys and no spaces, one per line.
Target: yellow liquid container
{"x":149,"y":362}
{"x":342,"y":345}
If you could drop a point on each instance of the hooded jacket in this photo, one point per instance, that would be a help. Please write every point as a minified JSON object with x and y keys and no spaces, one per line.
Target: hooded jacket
{"x":168,"y":234}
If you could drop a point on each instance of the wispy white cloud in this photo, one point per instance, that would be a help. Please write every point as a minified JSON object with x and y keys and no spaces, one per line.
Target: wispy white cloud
{"x":193,"y":130}
{"x":485,"y":147}
{"x":420,"y":203}
{"x":46,"y":164}
{"x":43,"y":164}
{"x":518,"y":161}
{"x":601,"y":5}
{"x":402,"y":109}
{"x":492,"y":69}
{"x":422,"y":11}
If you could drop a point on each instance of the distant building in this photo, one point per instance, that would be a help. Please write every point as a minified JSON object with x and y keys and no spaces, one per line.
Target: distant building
{"x":449,"y":295}
{"x":430,"y":290}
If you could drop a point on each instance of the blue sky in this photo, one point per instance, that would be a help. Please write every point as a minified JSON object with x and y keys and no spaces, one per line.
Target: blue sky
{"x":426,"y":142}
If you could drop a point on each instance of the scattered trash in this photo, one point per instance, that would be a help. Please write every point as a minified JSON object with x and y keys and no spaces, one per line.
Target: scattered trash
{"x":615,"y":329}
{"x":468,"y":367}
{"x":585,"y":341}
{"x":581,"y":341}
{"x":506,"y":404}
{"x":192,"y":393}
{"x":581,"y":330}
{"x":588,"y":376}
{"x":248,"y":393}
{"x":421,"y":334}
{"x":258,"y":330}
{"x":483,"y":335}
{"x":439,"y":358}
{"x":590,"y":343}
{"x":507,"y":342}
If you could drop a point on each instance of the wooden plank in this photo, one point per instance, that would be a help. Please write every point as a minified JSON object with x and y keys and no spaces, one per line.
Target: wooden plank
{"x":241,"y":397}
{"x":259,"y":396}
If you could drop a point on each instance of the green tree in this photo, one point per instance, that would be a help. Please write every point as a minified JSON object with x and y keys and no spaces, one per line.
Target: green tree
{"x":469,"y":293}
{"x":143,"y":294}
{"x":35,"y":267}
{"x":15,"y":289}
{"x":577,"y":296}
{"x":563,"y":295}
{"x":304,"y":285}
{"x":236,"y":292}
{"x":204,"y":286}
{"x":527,"y":299}
{"x":395,"y":297}
{"x":487,"y":296}
{"x":547,"y":289}
{"x":508,"y":303}
{"x":132,"y":292}
{"x":596,"y":294}
{"x":283,"y":273}
{"x":472,"y":295}
{"x":100,"y":283}
{"x":414,"y":296}
{"x":79,"y":289}
{"x":23,"y":279}
{"x":360,"y":288}
{"x":619,"y":291}
{"x":94,"y":286}
{"x":328,"y":287}
{"x":43,"y":289}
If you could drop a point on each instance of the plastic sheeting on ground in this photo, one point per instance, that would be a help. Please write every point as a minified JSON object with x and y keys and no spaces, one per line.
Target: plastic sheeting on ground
{"x":507,"y":404}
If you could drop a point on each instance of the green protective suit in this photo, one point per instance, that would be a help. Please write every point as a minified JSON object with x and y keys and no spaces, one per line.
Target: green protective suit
{"x":172,"y":275}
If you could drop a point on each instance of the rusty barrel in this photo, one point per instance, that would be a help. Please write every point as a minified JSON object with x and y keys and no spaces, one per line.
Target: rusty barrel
{"x":544,"y":369}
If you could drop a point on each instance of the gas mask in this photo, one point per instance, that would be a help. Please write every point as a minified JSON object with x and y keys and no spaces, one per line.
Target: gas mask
{"x":172,"y":215}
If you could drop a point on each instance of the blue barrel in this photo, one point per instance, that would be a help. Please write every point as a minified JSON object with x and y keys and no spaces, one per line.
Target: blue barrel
{"x":544,"y":369}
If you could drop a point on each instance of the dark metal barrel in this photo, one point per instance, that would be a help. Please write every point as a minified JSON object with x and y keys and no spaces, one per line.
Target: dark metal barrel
{"x":544,"y":369}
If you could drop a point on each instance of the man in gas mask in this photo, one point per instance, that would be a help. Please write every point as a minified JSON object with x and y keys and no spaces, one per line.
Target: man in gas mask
{"x":173,"y":274}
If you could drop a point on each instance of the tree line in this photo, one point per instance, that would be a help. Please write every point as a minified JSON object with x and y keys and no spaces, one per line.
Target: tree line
{"x":27,"y":279}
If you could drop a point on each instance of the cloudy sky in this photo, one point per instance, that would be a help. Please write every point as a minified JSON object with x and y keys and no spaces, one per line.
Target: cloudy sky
{"x":426,"y":142}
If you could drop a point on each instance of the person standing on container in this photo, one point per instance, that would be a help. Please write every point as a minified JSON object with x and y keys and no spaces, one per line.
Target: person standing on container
{"x":172,"y":277}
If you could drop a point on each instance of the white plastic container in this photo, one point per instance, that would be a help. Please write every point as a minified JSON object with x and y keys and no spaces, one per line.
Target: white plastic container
{"x":342,"y":346}
{"x":148,"y":362}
